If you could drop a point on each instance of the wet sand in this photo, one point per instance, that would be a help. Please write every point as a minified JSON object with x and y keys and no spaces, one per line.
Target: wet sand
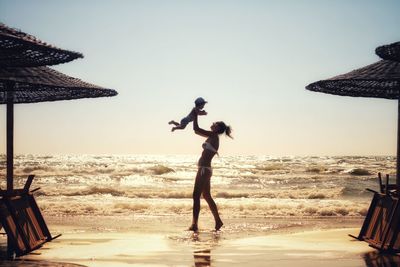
{"x":160,"y":242}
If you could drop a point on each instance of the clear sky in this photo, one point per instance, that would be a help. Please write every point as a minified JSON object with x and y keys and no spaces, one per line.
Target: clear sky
{"x":249,"y":59}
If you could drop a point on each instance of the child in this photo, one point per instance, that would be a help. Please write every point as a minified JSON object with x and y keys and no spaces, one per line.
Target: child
{"x":199,"y":102}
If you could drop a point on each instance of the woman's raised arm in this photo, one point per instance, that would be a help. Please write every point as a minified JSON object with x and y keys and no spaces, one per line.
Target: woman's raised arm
{"x":198,"y":130}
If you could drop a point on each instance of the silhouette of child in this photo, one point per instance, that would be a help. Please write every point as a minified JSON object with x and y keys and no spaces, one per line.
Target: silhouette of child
{"x":198,"y":109}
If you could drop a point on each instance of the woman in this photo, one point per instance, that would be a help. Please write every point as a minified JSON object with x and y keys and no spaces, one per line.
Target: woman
{"x":204,"y":173}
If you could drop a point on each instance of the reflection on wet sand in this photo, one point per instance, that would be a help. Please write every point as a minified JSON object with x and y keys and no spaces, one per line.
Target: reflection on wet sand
{"x":204,"y":243}
{"x":376,"y":259}
{"x":202,"y":258}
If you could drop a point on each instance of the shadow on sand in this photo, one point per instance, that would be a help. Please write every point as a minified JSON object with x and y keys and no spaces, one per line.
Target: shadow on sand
{"x":376,"y":259}
{"x":21,"y":262}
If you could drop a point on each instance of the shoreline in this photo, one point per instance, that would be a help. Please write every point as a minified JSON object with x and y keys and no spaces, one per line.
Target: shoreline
{"x":155,"y":241}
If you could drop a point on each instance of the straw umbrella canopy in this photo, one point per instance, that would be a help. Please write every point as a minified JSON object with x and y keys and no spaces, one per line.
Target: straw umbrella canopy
{"x":39,"y":84}
{"x":389,"y":52}
{"x":19,"y":49}
{"x":380,"y":80}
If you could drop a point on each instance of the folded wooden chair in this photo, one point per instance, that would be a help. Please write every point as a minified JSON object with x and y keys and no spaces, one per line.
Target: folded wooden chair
{"x":381,"y":224}
{"x":22,"y":220}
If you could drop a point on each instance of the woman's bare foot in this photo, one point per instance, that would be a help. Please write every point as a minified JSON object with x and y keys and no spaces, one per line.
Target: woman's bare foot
{"x":218,"y":225}
{"x":193,"y":228}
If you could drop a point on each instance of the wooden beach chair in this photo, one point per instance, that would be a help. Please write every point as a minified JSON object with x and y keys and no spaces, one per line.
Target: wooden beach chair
{"x":22,"y":220}
{"x":378,"y":215}
{"x":381,"y":224}
{"x":391,"y":241}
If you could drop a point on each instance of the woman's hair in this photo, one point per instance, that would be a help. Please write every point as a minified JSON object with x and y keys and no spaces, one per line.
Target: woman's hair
{"x":223,"y":128}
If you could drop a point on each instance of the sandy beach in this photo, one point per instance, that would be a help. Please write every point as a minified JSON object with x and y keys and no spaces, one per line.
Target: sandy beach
{"x":162,"y":241}
{"x":285,"y":211}
{"x":274,"y":119}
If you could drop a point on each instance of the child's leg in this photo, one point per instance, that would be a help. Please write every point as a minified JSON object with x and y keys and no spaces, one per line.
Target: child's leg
{"x":174,"y":123}
{"x":178,"y":127}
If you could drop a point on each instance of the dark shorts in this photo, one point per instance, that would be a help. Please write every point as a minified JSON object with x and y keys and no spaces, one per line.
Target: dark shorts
{"x":185,"y":121}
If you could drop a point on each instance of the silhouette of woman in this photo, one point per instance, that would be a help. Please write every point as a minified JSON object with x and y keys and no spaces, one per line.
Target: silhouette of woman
{"x":202,"y":183}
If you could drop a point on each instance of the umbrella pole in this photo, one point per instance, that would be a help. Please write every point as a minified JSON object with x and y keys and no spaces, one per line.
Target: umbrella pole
{"x":398,"y":147}
{"x":10,"y":137}
{"x":10,"y":154}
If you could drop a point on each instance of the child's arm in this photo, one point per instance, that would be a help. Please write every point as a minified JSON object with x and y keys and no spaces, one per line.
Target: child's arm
{"x":201,"y":112}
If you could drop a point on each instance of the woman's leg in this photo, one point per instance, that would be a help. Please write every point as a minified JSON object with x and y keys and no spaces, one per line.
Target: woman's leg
{"x":211,"y":203}
{"x":198,"y":189}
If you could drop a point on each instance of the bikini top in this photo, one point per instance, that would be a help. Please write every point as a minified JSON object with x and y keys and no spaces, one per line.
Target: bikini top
{"x":208,"y":146}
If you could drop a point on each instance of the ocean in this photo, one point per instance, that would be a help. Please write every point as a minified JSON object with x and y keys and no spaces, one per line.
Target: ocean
{"x":161,"y":185}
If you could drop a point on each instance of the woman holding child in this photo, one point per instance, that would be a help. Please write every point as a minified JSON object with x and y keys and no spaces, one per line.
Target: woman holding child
{"x":202,"y":183}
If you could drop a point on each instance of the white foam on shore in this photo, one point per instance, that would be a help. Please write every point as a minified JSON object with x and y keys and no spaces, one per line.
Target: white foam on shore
{"x":115,"y":185}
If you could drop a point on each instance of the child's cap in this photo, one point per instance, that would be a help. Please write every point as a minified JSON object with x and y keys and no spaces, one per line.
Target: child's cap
{"x":199,"y":101}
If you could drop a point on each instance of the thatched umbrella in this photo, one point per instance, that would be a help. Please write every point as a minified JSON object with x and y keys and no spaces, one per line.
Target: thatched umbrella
{"x":19,"y":49}
{"x":389,"y":52}
{"x":39,"y":84}
{"x":19,"y":84}
{"x":28,"y":85}
{"x":381,"y":80}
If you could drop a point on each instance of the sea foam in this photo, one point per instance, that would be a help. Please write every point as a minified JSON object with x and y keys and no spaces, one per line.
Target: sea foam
{"x":163,"y":184}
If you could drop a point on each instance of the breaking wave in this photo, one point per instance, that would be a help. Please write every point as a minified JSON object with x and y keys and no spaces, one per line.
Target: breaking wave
{"x":163,"y":184}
